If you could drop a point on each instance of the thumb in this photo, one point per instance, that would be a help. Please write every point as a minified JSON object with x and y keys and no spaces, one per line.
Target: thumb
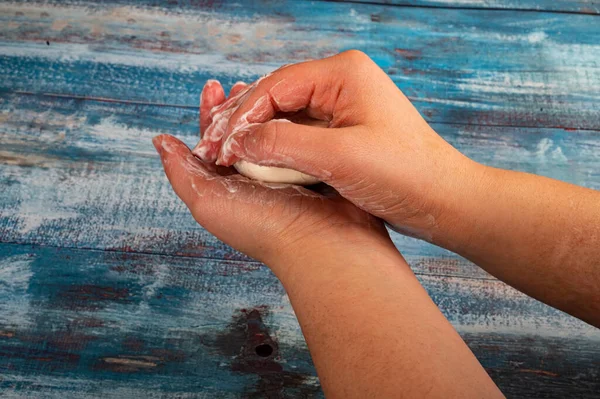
{"x":316,"y":151}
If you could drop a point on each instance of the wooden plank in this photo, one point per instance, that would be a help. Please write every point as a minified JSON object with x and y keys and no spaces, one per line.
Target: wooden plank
{"x":92,"y":323}
{"x":84,"y":173}
{"x":458,"y":66}
{"x":125,"y":325}
{"x":111,"y":321}
{"x":569,"y":6}
{"x":590,"y":7}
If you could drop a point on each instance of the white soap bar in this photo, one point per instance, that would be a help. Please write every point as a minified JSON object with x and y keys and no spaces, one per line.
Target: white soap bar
{"x":273,"y":175}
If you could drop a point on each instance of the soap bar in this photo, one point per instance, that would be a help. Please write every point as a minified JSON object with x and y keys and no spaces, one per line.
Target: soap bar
{"x":271,"y":174}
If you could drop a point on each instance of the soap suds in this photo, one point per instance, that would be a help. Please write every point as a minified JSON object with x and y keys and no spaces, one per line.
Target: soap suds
{"x":217,"y":146}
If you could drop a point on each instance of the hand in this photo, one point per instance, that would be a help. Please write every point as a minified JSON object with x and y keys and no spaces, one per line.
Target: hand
{"x":381,"y":155}
{"x":377,"y":151}
{"x":271,"y":223}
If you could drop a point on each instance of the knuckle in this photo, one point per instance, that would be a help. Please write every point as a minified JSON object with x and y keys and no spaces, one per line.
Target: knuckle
{"x":356,"y":65}
{"x":356,"y":56}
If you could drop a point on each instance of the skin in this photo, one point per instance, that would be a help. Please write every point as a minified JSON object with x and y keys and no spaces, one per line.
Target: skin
{"x":371,"y":328}
{"x":344,"y":278}
{"x":537,"y":234}
{"x":332,"y":258}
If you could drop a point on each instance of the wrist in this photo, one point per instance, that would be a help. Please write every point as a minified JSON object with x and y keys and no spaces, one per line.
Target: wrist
{"x":465,"y":194}
{"x":331,"y":254}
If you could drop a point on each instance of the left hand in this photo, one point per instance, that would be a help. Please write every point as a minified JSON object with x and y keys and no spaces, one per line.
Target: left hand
{"x":268,"y":222}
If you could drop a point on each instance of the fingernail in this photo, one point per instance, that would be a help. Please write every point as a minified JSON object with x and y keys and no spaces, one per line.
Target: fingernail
{"x":220,"y":159}
{"x":201,"y":150}
{"x":157,"y":141}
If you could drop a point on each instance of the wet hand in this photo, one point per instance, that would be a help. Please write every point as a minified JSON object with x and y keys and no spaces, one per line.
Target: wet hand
{"x":269,"y":222}
{"x":375,"y":148}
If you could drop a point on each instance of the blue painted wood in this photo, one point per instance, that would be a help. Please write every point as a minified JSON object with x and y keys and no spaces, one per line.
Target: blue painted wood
{"x":98,"y":324}
{"x":105,"y":324}
{"x":458,"y":66}
{"x":591,"y":7}
{"x":84,"y":173}
{"x":572,"y":6}
{"x":107,"y":285}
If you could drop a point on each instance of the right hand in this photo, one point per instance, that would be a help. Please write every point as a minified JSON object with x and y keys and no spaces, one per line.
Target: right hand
{"x":377,"y":151}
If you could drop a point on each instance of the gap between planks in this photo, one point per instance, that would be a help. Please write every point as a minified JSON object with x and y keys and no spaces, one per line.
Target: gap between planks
{"x":209,"y":258}
{"x":592,"y":13}
{"x":182,"y":106}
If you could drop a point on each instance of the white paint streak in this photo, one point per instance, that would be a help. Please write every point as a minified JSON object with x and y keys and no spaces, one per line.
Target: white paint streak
{"x":548,"y":151}
{"x":135,"y":363}
{"x":201,"y":40}
{"x":35,"y":211}
{"x":457,"y":103}
{"x":15,"y":275}
{"x":185,"y":63}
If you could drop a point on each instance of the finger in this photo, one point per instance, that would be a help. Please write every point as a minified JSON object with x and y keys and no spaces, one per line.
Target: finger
{"x":188,"y":176}
{"x":236,"y":88}
{"x":198,"y":185}
{"x":314,"y":86}
{"x":212,"y":95}
{"x":208,"y":148}
{"x":226,"y":157}
{"x":317,"y":87}
{"x":316,"y":151}
{"x":208,"y":194}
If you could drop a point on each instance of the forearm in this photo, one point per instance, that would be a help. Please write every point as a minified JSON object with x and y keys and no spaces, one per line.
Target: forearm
{"x":539,"y":235}
{"x":372,"y":329}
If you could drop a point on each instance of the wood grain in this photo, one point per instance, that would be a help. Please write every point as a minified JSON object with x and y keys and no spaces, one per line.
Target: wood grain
{"x":107,"y":285}
{"x":102,"y":323}
{"x":458,"y":66}
{"x":84,"y":174}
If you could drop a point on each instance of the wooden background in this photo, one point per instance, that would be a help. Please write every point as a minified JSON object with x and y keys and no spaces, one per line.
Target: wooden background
{"x":108,"y":288}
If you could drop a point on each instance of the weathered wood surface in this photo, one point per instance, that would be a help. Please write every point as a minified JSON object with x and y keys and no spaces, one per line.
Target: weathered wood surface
{"x":108,"y":287}
{"x":84,"y":174}
{"x":461,"y":66}
{"x":105,"y":323}
{"x":124,"y":324}
{"x":569,"y":6}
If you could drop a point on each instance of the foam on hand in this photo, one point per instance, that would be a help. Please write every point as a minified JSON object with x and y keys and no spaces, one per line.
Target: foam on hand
{"x":215,"y":148}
